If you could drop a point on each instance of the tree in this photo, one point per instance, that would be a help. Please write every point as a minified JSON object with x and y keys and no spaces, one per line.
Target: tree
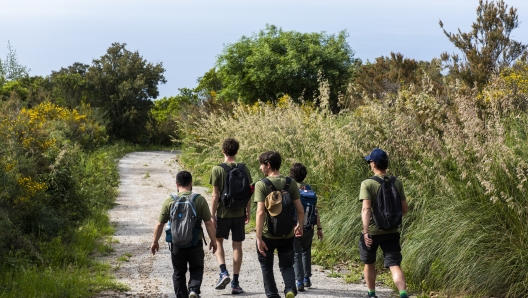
{"x":273,"y":62}
{"x":122,"y":84}
{"x":11,"y":69}
{"x":487,"y":48}
{"x":388,"y":74}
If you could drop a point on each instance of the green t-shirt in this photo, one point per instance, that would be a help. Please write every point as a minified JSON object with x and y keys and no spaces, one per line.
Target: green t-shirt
{"x":202,"y":208}
{"x":369,"y":191}
{"x":218,"y":177}
{"x":262,"y":191}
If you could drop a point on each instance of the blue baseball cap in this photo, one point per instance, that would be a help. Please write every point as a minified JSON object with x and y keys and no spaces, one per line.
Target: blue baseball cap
{"x":377,"y":155}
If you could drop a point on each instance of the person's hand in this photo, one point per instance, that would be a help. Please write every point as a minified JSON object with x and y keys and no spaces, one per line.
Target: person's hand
{"x":248,"y":215}
{"x":261,"y":247}
{"x":368,"y":241}
{"x":154,"y":247}
{"x":212,"y":246}
{"x":298,"y":230}
{"x":320,"y":234}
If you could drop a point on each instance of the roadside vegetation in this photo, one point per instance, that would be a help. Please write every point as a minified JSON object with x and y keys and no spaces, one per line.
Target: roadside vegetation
{"x":455,"y":128}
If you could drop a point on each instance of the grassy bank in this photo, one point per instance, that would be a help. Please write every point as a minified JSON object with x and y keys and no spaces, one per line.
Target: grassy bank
{"x":462,"y":158}
{"x":64,"y":265}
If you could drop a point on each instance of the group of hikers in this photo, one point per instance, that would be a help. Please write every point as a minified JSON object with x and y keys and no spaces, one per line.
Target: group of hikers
{"x":286,"y":221}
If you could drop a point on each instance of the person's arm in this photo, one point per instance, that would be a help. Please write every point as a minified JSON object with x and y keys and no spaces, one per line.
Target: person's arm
{"x":214,"y":204}
{"x":319,"y":227}
{"x":259,"y":218}
{"x":209,"y":226}
{"x":405,"y":207}
{"x":248,"y":212}
{"x":300,"y":218}
{"x":365,"y":218}
{"x":154,"y":247}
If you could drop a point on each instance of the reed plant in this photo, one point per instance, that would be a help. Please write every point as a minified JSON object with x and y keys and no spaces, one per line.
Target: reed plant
{"x":461,"y":156}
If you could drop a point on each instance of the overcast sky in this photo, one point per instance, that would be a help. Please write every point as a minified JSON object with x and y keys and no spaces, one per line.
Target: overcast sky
{"x":186,"y":36}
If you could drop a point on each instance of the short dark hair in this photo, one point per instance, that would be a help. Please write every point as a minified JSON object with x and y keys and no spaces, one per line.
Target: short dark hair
{"x":382,"y":164}
{"x":298,"y":172}
{"x":183,"y":178}
{"x":271,"y":157}
{"x":230,"y":146}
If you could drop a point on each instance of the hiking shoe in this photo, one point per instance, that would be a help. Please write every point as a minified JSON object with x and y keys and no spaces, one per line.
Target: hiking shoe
{"x":307,"y":282}
{"x":290,"y":295}
{"x":371,"y":295}
{"x":236,"y":289}
{"x":192,"y":294}
{"x":223,"y":281}
{"x":300,"y":286}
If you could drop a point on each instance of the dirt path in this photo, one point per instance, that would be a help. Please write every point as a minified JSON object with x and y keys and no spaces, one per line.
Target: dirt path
{"x":146,"y":179}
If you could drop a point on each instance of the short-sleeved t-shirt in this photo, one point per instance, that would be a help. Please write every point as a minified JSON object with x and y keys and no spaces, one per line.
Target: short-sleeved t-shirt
{"x":202,"y":208}
{"x":218,"y":177}
{"x":369,"y":191}
{"x":262,"y":191}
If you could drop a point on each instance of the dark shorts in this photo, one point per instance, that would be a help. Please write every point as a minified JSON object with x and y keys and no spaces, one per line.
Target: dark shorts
{"x":390,"y":245}
{"x":234,"y":224}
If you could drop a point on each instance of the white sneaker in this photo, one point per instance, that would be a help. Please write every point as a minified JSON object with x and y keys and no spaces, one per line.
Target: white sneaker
{"x":192,"y":294}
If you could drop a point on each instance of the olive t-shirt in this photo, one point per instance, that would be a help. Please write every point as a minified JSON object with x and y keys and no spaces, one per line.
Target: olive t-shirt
{"x":369,"y":191}
{"x":202,"y":209}
{"x":262,"y":191}
{"x":218,"y":177}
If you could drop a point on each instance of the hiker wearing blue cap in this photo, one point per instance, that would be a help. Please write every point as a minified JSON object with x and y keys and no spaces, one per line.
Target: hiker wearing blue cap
{"x":384,"y":205}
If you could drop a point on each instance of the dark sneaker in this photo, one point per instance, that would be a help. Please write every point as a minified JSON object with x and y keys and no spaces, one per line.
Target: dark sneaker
{"x":300,"y":286}
{"x":192,"y":294}
{"x":290,"y":295}
{"x":223,"y":281}
{"x":307,"y":282}
{"x":371,"y":295}
{"x":236,"y":289}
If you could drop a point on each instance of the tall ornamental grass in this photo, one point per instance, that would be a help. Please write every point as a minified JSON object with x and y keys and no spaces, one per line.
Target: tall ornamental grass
{"x":461,"y":156}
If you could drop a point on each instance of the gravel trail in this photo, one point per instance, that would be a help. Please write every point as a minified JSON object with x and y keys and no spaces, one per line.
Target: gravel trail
{"x":146,"y":180}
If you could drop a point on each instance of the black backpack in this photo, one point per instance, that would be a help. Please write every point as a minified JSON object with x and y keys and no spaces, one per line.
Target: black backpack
{"x":236,"y":192}
{"x":282,"y":224}
{"x":387,"y":210}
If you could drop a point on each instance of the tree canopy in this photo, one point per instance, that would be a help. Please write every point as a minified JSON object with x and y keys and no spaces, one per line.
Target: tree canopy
{"x":274,"y":62}
{"x":487,"y":48}
{"x":122,"y":84}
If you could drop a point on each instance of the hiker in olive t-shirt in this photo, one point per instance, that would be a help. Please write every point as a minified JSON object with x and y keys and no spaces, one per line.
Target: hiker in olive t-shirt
{"x":270,"y":162}
{"x":192,"y":256}
{"x":372,"y":237}
{"x":228,"y":220}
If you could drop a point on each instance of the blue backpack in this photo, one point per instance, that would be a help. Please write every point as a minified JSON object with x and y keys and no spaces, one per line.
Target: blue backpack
{"x":184,"y":226}
{"x":309,"y":202}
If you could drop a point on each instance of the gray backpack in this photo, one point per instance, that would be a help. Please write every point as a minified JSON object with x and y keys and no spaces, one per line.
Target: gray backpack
{"x":184,"y":226}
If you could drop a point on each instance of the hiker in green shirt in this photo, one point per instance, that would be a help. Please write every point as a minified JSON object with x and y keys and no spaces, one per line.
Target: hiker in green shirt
{"x":191,"y":258}
{"x":267,"y":243}
{"x":372,"y":236}
{"x":228,"y":219}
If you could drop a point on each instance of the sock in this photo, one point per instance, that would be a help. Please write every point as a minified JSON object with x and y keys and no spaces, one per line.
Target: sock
{"x":223,"y":268}
{"x":235,"y":278}
{"x":372,"y":291}
{"x":403,"y":294}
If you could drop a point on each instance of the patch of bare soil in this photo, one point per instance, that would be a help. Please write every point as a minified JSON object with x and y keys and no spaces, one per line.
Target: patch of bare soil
{"x":146,"y":180}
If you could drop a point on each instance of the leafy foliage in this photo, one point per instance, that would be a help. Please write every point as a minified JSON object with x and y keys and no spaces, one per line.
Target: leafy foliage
{"x":274,"y":62}
{"x":122,"y":85}
{"x":10,"y":68}
{"x":487,"y":49}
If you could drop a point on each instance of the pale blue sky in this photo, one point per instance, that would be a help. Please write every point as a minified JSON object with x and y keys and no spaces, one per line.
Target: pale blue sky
{"x":188,"y":35}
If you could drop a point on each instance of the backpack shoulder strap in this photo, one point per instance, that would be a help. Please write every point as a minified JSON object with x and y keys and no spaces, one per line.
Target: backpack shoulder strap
{"x":241,"y":166}
{"x":268,"y":183}
{"x":175,"y":197}
{"x":193,"y":196}
{"x":376,"y":178}
{"x":392,"y":179}
{"x":287,"y":185}
{"x":225,"y":167}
